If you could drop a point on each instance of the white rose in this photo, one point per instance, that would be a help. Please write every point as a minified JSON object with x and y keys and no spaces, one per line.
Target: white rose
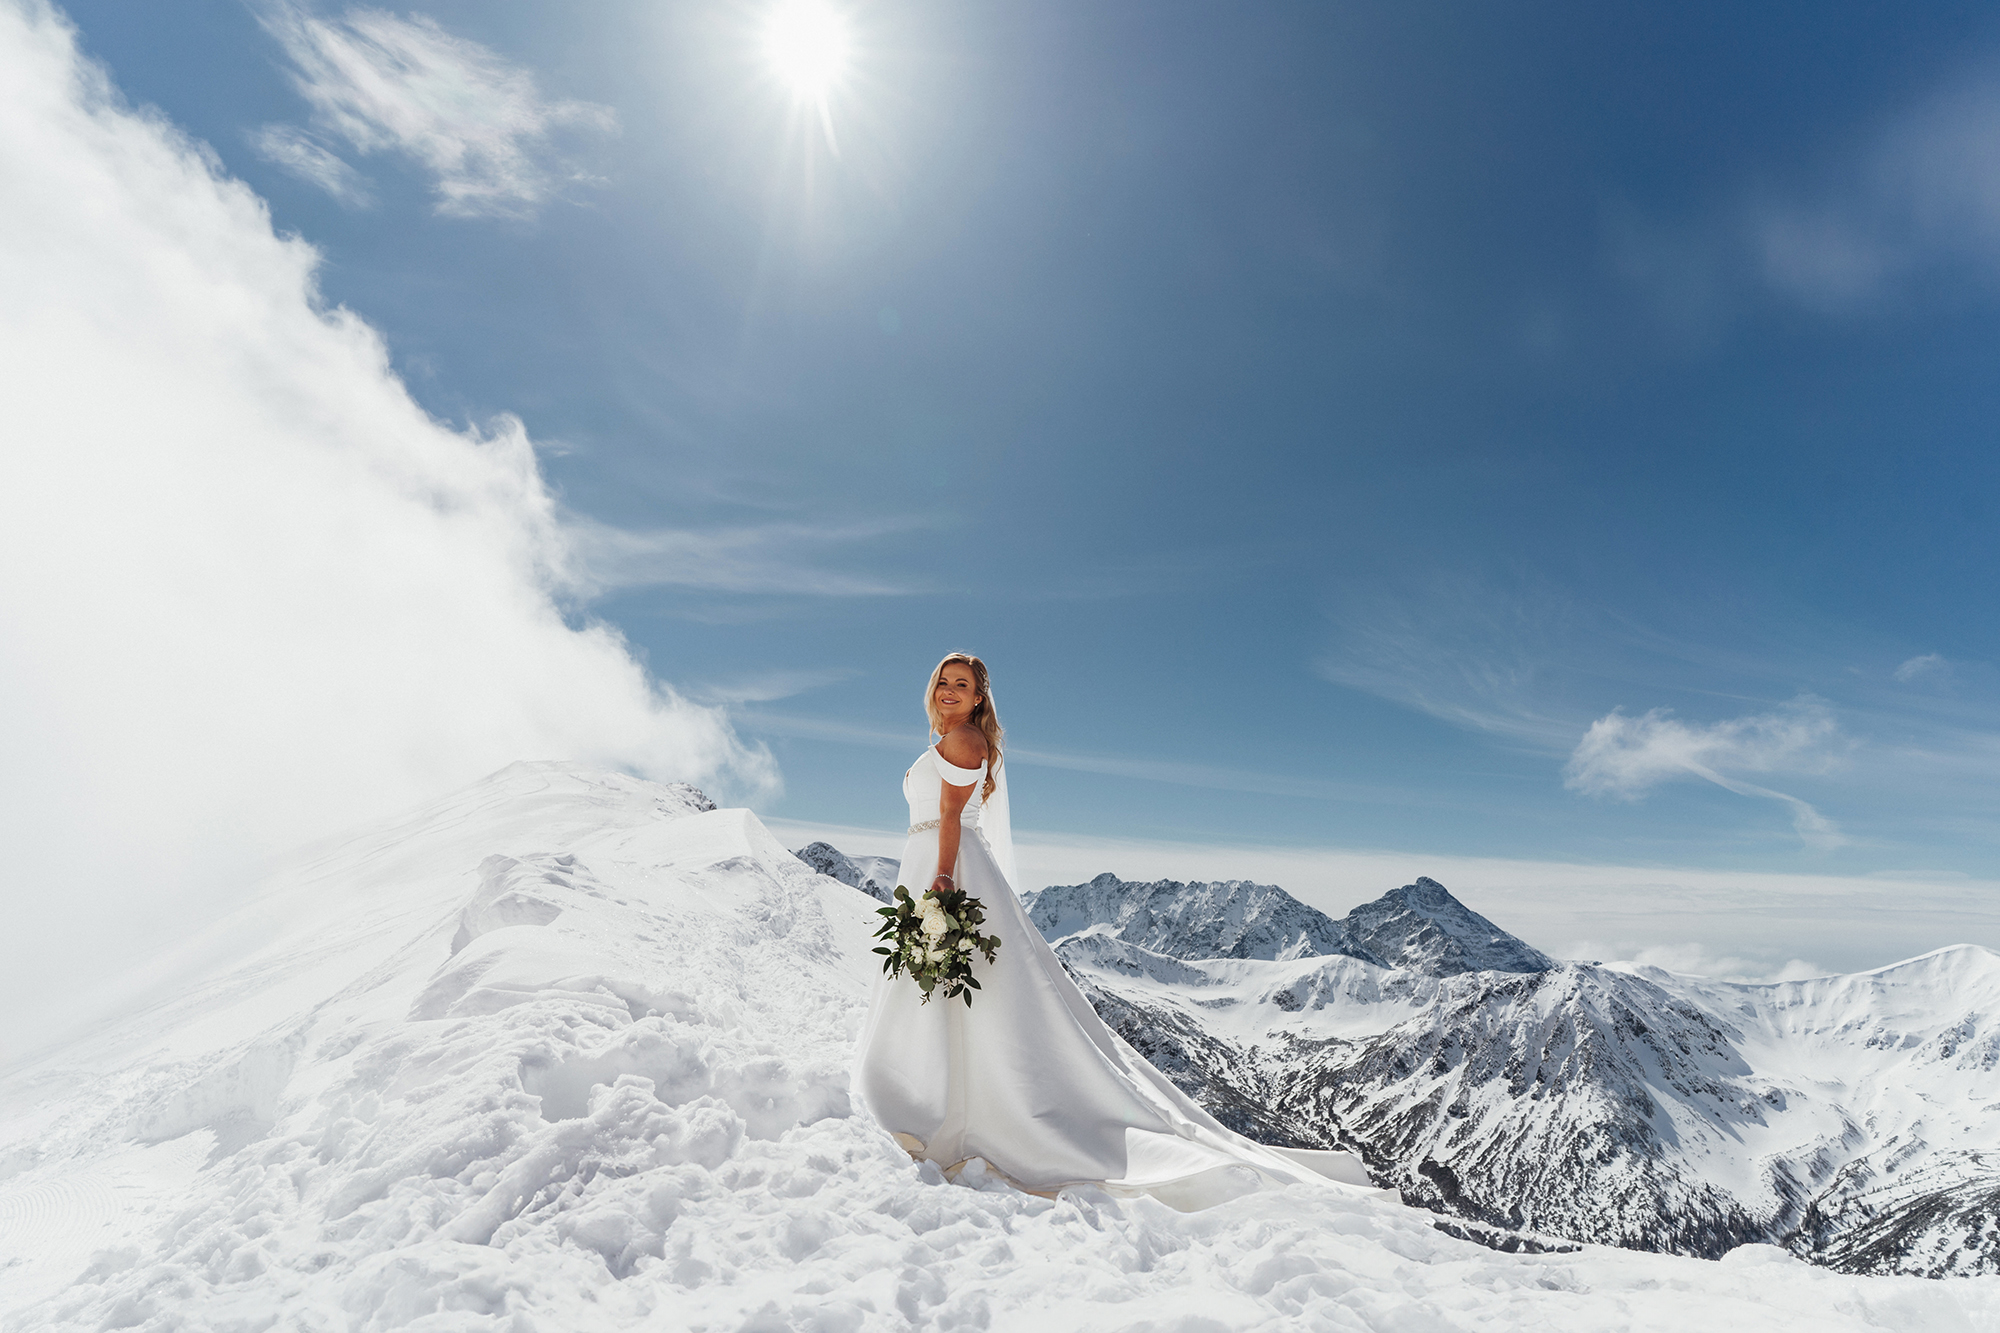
{"x":935,"y":925}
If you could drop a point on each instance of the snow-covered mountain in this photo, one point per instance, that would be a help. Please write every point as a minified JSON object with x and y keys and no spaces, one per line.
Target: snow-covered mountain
{"x":569,"y":1051}
{"x":1420,"y":926}
{"x":873,"y":875}
{"x":1851,"y":1119}
{"x":1230,"y":919}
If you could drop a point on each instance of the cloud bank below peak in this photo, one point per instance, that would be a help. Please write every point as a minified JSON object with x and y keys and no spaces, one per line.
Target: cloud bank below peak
{"x":253,"y":593}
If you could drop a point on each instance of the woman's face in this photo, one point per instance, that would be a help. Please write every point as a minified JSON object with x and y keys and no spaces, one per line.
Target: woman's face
{"x":954,"y":694}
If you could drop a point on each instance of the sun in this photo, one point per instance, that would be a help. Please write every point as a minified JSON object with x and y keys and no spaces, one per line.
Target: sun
{"x":806,"y":42}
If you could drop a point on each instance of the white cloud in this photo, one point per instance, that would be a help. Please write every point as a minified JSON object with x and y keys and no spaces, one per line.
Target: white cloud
{"x":249,"y":592}
{"x":1699,"y":960}
{"x":1625,"y":756}
{"x":308,"y":159}
{"x":477,"y":123}
{"x":1928,"y":666}
{"x":1922,"y":190}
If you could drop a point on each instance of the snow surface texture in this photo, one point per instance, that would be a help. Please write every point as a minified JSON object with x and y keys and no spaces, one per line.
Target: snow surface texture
{"x":569,"y":1051}
{"x":1854,"y":1120}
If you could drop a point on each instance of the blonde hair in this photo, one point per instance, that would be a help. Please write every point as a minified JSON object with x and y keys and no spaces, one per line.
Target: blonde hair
{"x":984,"y":716}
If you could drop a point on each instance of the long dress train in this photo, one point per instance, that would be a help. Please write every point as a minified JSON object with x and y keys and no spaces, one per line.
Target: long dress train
{"x":1029,"y":1078}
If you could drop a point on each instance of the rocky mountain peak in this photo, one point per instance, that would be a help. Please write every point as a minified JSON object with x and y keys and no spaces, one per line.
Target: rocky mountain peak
{"x":1222,"y":919}
{"x":1419,"y":927}
{"x":1422,"y":928}
{"x":873,"y":875}
{"x":1424,"y":895}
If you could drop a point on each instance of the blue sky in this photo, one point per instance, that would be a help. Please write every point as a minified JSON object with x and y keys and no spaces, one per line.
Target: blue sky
{"x":1556,"y":432}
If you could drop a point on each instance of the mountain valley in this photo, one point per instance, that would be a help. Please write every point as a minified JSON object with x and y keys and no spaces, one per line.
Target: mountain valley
{"x":1850,"y":1120}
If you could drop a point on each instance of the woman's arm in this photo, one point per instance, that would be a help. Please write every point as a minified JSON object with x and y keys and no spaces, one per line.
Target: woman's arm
{"x":951,"y":803}
{"x":964,"y":748}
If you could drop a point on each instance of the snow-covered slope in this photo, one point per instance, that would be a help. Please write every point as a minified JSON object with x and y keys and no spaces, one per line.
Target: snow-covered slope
{"x":1849,"y":1118}
{"x":569,"y":1052}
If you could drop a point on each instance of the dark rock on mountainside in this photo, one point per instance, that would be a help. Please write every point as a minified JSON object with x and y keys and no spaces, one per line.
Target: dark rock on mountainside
{"x":1419,"y":927}
{"x":1951,"y":1231}
{"x":873,"y":875}
{"x":1226,"y":919}
{"x":1212,"y":1071}
{"x":1422,"y":928}
{"x":1536,"y":1101}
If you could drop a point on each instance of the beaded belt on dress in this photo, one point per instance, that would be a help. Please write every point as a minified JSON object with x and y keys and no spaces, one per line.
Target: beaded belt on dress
{"x":930,"y":824}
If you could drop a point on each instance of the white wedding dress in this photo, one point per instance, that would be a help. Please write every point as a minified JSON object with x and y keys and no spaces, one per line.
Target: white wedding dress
{"x":1028,"y":1078}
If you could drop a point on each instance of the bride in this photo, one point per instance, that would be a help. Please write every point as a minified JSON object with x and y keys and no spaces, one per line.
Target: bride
{"x":1027,"y":1078}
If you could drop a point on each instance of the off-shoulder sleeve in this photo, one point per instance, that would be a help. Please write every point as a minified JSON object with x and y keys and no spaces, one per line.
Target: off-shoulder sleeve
{"x":952,"y":773}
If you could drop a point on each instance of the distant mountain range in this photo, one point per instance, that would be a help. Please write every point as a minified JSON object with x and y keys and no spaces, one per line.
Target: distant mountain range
{"x":1419,"y":927}
{"x":1853,"y":1120}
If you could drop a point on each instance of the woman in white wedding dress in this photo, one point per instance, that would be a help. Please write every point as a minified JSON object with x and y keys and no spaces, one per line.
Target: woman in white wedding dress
{"x":1027,"y":1078}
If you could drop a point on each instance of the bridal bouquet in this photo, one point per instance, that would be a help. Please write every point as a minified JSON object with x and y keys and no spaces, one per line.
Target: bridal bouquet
{"x":933,"y":939}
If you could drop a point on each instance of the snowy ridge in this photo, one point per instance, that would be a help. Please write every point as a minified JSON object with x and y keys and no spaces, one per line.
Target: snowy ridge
{"x":568,"y":1051}
{"x":1851,"y":1119}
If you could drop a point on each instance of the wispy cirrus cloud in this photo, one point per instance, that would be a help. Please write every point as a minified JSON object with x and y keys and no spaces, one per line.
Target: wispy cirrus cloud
{"x":758,"y":687}
{"x":1180,"y":773}
{"x":1521,"y":663}
{"x":780,"y":558}
{"x":477,"y":122}
{"x":1625,"y":756}
{"x":1926,"y":666}
{"x":1217,"y":777}
{"x":302,"y":155}
{"x":1464,"y":650}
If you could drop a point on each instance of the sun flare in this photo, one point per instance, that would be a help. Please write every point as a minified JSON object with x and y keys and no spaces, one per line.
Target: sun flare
{"x":806,"y":41}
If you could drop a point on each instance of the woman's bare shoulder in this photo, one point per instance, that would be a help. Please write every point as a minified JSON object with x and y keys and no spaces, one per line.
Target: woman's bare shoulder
{"x":964,"y":747}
